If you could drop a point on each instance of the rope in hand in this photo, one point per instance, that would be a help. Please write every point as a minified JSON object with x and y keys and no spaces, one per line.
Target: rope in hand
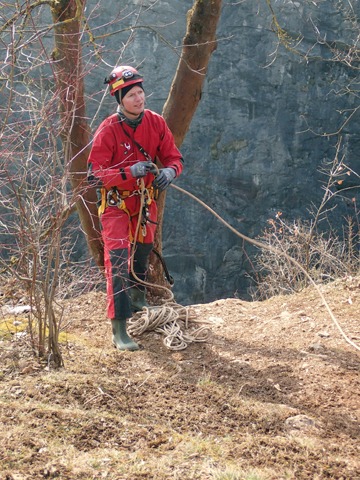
{"x":170,"y":319}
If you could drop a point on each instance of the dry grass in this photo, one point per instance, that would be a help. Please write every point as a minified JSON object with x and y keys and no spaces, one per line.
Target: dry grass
{"x":215,"y":411}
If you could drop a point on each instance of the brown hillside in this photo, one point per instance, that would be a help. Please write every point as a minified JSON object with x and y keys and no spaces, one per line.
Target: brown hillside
{"x":273,"y":394}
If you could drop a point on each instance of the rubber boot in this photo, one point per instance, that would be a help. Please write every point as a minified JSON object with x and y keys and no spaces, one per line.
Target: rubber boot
{"x":138,"y":299}
{"x":120,"y":338}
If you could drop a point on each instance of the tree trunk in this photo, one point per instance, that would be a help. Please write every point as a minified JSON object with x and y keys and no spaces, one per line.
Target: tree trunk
{"x":75,"y":135}
{"x":185,"y":93}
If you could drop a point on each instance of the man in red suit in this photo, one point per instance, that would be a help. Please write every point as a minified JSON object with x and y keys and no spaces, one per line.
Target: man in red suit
{"x":124,"y":150}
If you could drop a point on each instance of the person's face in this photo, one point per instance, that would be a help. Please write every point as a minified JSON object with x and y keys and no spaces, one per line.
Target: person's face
{"x":134,"y":101}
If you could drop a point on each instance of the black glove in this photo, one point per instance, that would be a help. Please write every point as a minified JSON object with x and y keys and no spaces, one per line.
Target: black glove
{"x":165,"y":177}
{"x":141,"y":169}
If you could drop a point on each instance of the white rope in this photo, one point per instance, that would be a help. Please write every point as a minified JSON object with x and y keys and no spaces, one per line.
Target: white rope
{"x":277,"y":252}
{"x":171,"y":320}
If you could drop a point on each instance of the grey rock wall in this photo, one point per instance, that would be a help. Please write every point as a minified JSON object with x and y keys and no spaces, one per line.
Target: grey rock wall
{"x":257,"y":140}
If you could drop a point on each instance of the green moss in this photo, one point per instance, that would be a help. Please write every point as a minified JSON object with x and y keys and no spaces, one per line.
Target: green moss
{"x":12,"y":325}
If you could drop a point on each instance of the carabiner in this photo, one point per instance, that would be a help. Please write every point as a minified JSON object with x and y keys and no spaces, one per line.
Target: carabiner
{"x":110,"y":198}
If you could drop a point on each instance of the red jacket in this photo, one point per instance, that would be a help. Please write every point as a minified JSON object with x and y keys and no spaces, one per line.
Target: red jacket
{"x":115,"y":149}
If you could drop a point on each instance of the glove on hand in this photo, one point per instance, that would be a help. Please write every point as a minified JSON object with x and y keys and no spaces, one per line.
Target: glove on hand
{"x":165,"y":177}
{"x":141,"y":169}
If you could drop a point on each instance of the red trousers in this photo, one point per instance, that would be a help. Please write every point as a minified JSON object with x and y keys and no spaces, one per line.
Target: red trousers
{"x":118,"y":229}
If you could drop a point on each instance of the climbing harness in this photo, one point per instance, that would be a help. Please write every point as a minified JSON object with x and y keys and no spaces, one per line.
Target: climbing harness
{"x":115,"y":198}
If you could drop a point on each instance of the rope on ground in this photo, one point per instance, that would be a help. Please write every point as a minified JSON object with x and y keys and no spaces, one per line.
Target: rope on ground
{"x":173,"y":321}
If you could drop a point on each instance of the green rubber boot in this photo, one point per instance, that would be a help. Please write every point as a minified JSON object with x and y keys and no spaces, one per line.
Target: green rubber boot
{"x":120,"y":338}
{"x":138,"y":299}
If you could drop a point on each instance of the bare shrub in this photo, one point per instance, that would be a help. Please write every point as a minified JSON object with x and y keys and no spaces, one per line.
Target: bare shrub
{"x":35,"y":198}
{"x":35,"y":205}
{"x":323,"y":255}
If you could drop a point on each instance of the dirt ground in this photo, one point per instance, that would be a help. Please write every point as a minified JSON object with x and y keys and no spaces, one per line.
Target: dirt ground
{"x":274,"y":393}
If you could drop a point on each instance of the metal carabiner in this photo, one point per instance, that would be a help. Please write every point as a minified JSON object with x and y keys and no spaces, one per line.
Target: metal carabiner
{"x":110,"y":198}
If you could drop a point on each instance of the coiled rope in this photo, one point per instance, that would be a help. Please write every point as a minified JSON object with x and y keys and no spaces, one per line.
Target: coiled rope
{"x":173,"y":321}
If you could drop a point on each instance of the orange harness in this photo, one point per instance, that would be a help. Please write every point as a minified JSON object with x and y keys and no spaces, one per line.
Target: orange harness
{"x":116,"y":198}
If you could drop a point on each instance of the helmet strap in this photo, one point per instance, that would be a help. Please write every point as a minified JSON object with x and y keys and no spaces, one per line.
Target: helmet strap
{"x":117,"y":96}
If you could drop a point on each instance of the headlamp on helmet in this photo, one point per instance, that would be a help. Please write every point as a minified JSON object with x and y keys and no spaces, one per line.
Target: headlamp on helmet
{"x":122,"y":77}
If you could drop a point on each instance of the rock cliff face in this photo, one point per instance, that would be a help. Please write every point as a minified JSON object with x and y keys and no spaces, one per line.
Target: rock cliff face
{"x":266,"y":123}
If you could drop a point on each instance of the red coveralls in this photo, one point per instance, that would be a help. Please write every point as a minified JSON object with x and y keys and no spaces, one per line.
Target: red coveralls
{"x":115,"y":148}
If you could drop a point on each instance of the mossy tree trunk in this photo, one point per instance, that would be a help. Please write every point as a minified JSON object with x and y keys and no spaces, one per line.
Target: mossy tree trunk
{"x":67,"y":17}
